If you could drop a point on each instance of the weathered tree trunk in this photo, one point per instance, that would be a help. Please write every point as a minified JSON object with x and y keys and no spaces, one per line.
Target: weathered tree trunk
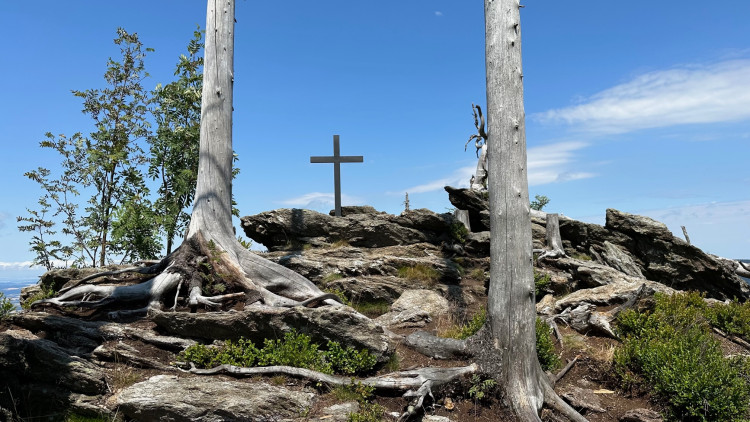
{"x":511,"y":308}
{"x":210,"y":239}
{"x":479,"y":182}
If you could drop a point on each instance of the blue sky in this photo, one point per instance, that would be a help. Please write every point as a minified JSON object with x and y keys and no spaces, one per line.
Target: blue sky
{"x":641,"y":106}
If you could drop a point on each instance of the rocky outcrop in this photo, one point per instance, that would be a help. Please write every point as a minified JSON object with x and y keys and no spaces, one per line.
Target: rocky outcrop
{"x":359,"y":226}
{"x":171,"y":398}
{"x":642,"y":247}
{"x":259,"y":322}
{"x":48,"y":377}
{"x":475,"y":202}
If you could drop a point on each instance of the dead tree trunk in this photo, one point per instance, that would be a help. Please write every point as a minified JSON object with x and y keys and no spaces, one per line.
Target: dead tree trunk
{"x":210,"y":242}
{"x":511,"y":308}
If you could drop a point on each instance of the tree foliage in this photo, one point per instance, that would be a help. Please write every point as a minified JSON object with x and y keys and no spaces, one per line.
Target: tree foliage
{"x":100,"y":196}
{"x":539,"y":202}
{"x":174,"y":149}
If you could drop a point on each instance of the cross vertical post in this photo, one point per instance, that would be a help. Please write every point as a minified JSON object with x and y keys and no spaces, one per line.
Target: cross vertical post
{"x":337,"y":159}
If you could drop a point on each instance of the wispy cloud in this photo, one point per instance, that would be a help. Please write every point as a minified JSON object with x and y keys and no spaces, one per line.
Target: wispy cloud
{"x":438,"y":13}
{"x":552,"y":163}
{"x":25,"y":265}
{"x":459,"y":178}
{"x":546,"y":164}
{"x":693,"y":94}
{"x":318,"y":200}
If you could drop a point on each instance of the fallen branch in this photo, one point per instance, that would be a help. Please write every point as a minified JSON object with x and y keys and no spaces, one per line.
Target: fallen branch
{"x":417,"y":383}
{"x":555,"y":378}
{"x":734,"y":339}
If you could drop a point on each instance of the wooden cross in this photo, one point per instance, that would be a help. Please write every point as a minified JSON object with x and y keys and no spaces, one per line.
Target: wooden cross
{"x":337,"y":159}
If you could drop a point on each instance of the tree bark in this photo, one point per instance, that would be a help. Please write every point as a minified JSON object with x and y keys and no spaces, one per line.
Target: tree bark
{"x":511,"y":307}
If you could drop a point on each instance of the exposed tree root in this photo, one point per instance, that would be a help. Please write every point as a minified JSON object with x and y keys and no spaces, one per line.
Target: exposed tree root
{"x":195,"y":263}
{"x":416,"y":384}
{"x":437,"y":347}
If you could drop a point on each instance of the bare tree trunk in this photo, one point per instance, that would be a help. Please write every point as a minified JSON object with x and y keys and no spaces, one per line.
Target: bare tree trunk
{"x":511,"y":308}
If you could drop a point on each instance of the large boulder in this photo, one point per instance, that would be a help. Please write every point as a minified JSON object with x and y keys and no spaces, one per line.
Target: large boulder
{"x":644,"y":248}
{"x":44,"y":374}
{"x":291,"y":228}
{"x":171,"y":398}
{"x":259,"y":322}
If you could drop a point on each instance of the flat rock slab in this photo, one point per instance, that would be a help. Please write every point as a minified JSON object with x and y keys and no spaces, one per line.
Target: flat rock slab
{"x":641,"y":415}
{"x":259,"y":322}
{"x":207,"y":399}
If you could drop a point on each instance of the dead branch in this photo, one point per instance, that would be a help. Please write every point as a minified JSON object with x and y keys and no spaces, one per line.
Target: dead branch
{"x":555,"y":378}
{"x":417,"y":383}
{"x":734,"y":339}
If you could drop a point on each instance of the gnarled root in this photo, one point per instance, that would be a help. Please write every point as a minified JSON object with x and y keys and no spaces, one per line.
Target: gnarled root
{"x":245,"y":276}
{"x":417,"y":383}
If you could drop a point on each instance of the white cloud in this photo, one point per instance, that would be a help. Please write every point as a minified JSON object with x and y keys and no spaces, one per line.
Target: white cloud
{"x":459,"y":178}
{"x":694,"y":94}
{"x":319,"y":200}
{"x":551,"y":163}
{"x":546,"y":164}
{"x":438,"y":13}
{"x":25,"y":265}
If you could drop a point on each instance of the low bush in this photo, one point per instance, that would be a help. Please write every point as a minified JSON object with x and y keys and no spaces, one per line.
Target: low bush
{"x":541,"y":283}
{"x":6,"y":306}
{"x":545,"y":346}
{"x":732,"y":318}
{"x":294,"y":349}
{"x":464,"y":331}
{"x":670,"y":350}
{"x":44,"y":293}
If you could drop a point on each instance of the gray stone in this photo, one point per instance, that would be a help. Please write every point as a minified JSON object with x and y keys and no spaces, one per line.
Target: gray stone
{"x":44,"y":374}
{"x":337,"y":412}
{"x":258,"y":322}
{"x":653,"y":251}
{"x":641,"y":415}
{"x":415,"y":308}
{"x":614,"y":293}
{"x":169,"y":398}
{"x":621,"y":260}
{"x":290,"y":228}
{"x":435,"y":418}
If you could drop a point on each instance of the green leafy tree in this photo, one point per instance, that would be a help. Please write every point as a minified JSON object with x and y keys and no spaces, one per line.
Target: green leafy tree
{"x":174,"y":149}
{"x":61,"y":194}
{"x":113,"y":151}
{"x":47,"y":250}
{"x":539,"y":202}
{"x":105,"y":165}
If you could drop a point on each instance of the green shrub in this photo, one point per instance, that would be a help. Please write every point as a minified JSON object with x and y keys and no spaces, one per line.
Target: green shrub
{"x":294,"y":349}
{"x":348,"y":361}
{"x":541,"y":283}
{"x":44,"y":293}
{"x":732,"y":318}
{"x":545,"y":346}
{"x":368,"y":411}
{"x":6,"y":307}
{"x":671,"y":350}
{"x":459,"y":232}
{"x":467,"y":330}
